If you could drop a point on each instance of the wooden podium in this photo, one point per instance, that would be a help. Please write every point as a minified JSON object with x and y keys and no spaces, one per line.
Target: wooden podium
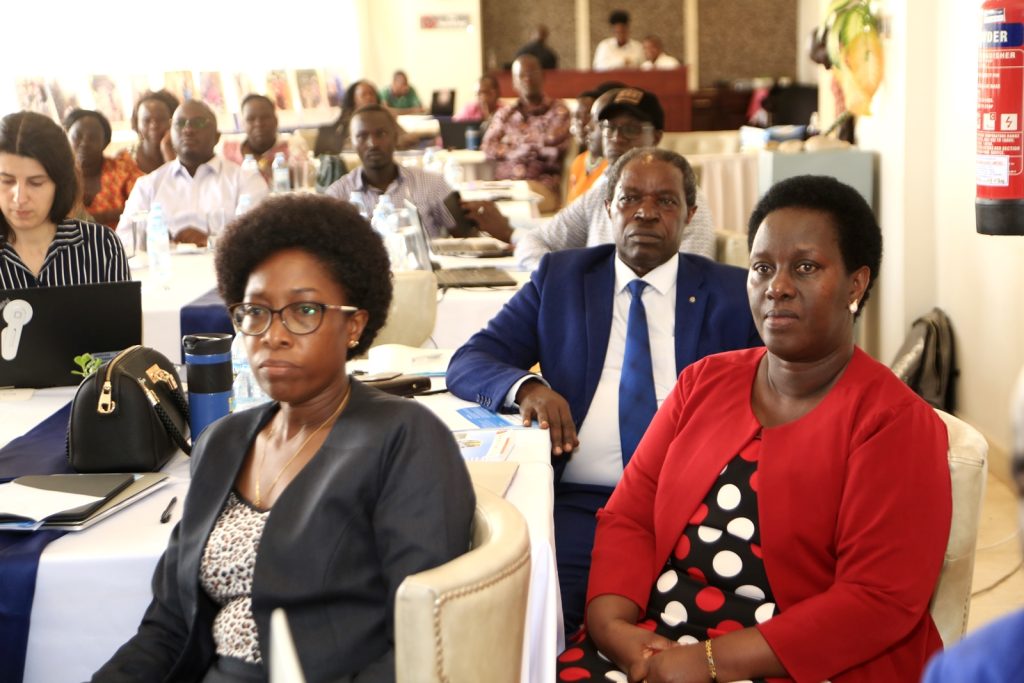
{"x":668,"y":85}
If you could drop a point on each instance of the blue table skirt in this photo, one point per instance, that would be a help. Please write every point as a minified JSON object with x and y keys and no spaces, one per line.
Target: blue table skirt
{"x":41,"y":451}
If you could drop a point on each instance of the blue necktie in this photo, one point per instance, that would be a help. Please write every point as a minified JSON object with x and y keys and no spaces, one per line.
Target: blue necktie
{"x":637,"y":402}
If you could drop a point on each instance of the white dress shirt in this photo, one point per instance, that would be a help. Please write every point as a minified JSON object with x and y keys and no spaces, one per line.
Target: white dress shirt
{"x":610,"y":55}
{"x":186,"y":200}
{"x":664,"y":61}
{"x":598,"y":460}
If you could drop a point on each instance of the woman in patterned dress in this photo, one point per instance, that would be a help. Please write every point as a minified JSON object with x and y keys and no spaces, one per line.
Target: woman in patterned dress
{"x":320,"y":502}
{"x":106,"y":182}
{"x":786,"y":514}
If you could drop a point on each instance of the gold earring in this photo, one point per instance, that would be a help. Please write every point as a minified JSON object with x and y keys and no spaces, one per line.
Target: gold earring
{"x":353,"y":343}
{"x":854,"y":305}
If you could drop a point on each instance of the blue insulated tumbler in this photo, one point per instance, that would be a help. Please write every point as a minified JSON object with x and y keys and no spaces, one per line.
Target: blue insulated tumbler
{"x":208,"y":364}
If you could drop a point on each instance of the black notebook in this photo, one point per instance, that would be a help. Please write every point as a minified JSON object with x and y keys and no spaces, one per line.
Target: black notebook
{"x":102,"y":487}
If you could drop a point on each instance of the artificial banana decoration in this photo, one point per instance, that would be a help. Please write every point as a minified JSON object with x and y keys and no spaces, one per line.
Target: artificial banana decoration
{"x":855,"y":50}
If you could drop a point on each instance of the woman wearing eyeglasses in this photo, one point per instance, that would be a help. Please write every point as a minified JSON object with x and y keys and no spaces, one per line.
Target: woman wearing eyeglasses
{"x":321,"y":502}
{"x":40,"y":246}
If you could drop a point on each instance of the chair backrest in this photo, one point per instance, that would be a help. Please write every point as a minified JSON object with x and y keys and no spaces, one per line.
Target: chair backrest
{"x":968,"y":465}
{"x":463,"y":622}
{"x":731,"y":248}
{"x":413,"y":309}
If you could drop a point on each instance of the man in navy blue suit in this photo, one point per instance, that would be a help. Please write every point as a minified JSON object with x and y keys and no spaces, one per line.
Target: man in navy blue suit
{"x":572,"y":318}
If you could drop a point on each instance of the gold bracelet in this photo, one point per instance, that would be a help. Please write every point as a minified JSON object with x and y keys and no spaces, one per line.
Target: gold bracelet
{"x":711,"y":661}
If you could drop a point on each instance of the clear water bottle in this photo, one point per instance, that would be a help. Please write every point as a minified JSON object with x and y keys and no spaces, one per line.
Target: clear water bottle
{"x":381,"y":220}
{"x":245,"y":390}
{"x":454,"y":174}
{"x":244,"y":204}
{"x":158,"y":246}
{"x":250,"y":165}
{"x":385,"y":223}
{"x":281,"y":176}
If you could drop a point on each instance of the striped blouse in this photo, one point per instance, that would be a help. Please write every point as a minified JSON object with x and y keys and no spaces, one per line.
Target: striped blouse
{"x":80,"y":254}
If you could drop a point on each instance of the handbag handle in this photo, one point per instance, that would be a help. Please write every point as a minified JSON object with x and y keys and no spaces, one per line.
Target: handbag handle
{"x":165,"y":419}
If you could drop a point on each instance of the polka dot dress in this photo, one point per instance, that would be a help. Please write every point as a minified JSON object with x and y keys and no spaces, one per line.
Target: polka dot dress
{"x":225,"y":573}
{"x":713,"y":582}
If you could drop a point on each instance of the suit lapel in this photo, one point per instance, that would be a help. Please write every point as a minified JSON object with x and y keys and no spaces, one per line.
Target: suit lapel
{"x":691,"y":302}
{"x":599,"y":283}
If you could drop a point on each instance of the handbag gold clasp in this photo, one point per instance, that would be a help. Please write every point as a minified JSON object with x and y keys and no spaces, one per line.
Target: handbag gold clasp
{"x":158,"y":374}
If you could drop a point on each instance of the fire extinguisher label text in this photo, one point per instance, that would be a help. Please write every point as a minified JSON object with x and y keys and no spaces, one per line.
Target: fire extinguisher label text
{"x":1003,"y":35}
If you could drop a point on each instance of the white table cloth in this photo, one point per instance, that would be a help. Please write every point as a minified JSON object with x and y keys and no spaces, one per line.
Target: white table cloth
{"x":93,"y":586}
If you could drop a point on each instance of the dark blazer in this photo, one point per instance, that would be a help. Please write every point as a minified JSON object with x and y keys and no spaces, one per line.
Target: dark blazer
{"x":386,"y":496}
{"x":562,"y":319}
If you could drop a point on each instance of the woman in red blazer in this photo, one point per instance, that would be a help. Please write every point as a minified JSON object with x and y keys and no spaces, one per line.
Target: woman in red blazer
{"x":786,"y":514}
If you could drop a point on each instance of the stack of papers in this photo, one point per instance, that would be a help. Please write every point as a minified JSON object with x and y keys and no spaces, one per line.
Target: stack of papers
{"x":70,"y":501}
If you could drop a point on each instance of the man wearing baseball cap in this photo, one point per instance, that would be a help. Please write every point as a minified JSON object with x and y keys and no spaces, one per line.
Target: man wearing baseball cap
{"x":628,"y":118}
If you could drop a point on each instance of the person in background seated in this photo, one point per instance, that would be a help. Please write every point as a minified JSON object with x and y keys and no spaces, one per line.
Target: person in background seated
{"x":538,"y":47}
{"x":576,"y":319}
{"x":400,"y":97}
{"x":334,"y":137}
{"x":259,"y":121}
{"x":618,"y":51}
{"x":486,"y":103}
{"x":628,"y":118}
{"x":528,"y":139}
{"x":767,"y":526}
{"x":151,"y":119}
{"x":106,"y":182}
{"x":590,"y":164}
{"x":992,"y":653}
{"x":657,"y":58}
{"x":39,"y":187}
{"x":374,"y":135}
{"x":320,"y":502}
{"x":196,"y":182}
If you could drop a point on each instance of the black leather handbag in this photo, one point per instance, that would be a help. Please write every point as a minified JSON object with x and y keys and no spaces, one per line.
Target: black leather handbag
{"x":130,"y":416}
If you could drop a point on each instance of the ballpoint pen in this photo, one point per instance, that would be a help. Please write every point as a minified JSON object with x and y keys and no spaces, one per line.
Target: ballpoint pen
{"x":165,"y":516}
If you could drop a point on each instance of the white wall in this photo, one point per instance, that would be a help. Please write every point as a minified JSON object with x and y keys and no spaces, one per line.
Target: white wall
{"x":437,"y":58}
{"x":359,"y":38}
{"x":924,"y":130}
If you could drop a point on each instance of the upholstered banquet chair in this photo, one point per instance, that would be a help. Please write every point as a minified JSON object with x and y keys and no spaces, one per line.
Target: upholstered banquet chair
{"x":413,"y":309}
{"x":968,"y":465}
{"x":463,"y":622}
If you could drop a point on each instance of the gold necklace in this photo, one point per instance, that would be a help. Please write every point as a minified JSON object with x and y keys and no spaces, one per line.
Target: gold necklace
{"x":257,"y":499}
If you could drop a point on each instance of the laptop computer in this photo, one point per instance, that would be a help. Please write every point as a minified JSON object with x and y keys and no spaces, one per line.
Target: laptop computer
{"x":453,"y":133}
{"x":442,"y":102}
{"x":42,"y":329}
{"x":459,"y":277}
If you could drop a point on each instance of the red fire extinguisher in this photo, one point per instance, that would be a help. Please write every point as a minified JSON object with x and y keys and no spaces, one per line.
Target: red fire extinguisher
{"x":999,"y":167}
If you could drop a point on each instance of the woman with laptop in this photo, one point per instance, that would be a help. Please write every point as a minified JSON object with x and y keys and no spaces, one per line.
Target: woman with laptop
{"x":40,"y":246}
{"x":320,"y":502}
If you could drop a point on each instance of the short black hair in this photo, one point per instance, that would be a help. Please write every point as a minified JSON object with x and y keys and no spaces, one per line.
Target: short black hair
{"x":256,"y":96}
{"x":669,"y":157}
{"x":165,"y":96}
{"x":76,"y":115}
{"x":493,"y":79}
{"x":857,"y":229}
{"x":618,"y":16}
{"x":329,"y":229}
{"x":348,"y":103}
{"x":32,"y":135}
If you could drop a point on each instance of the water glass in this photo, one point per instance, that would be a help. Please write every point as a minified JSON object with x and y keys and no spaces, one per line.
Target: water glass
{"x":216,"y":219}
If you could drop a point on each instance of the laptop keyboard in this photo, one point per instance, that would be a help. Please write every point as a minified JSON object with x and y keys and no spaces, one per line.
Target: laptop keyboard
{"x":473,"y":277}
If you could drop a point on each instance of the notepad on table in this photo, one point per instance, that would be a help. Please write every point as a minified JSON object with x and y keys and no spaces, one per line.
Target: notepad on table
{"x":58,"y":498}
